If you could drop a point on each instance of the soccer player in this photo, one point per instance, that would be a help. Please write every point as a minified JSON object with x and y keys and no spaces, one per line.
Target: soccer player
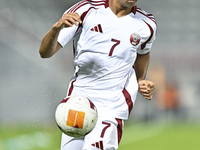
{"x":112,"y":41}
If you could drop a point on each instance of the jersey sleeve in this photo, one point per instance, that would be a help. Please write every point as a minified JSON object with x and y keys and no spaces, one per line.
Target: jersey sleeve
{"x":148,"y":40}
{"x":66,"y":34}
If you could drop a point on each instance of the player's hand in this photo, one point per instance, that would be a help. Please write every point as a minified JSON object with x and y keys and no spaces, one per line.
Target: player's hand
{"x":68,"y":20}
{"x":146,"y":88}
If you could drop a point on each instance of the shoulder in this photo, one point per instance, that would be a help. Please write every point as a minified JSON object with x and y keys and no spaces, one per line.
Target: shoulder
{"x":145,"y":16}
{"x":85,"y":5}
{"x":150,"y":27}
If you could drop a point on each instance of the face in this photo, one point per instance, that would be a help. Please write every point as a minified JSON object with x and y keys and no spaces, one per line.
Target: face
{"x":128,"y":3}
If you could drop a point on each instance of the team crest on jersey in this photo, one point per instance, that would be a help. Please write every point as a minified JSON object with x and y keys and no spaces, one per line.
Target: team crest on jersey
{"x":135,"y":39}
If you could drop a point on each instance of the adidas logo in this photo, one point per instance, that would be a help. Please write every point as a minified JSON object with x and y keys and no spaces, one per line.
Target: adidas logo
{"x":98,"y":145}
{"x":97,"y":28}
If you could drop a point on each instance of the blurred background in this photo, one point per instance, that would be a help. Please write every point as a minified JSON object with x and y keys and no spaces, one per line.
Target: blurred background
{"x":31,"y":87}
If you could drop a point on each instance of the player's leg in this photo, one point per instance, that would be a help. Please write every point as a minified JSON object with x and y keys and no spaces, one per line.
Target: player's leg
{"x":71,"y":143}
{"x":105,"y":136}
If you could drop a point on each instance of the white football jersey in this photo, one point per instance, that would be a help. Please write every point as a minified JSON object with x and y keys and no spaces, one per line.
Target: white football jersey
{"x":105,"y":49}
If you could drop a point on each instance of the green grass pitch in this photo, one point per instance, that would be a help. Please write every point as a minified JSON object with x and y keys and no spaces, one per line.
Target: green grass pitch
{"x":179,"y":136}
{"x":140,"y":136}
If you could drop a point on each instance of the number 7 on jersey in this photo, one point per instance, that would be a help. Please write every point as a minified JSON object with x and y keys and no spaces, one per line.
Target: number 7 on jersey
{"x":117,"y":42}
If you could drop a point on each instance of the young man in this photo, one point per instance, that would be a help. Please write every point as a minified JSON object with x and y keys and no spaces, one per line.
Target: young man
{"x":112,"y":40}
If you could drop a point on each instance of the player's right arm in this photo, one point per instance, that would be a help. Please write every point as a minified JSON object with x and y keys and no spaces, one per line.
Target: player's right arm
{"x":49,"y":45}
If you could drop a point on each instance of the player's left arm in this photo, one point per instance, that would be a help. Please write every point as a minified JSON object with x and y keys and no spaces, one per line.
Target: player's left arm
{"x":146,"y":87}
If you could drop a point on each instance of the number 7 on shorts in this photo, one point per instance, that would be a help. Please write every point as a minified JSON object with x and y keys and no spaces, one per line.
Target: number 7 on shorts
{"x":104,"y":129}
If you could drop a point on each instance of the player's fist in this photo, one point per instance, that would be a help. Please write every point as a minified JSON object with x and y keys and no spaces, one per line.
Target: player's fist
{"x":146,"y":88}
{"x":68,"y":20}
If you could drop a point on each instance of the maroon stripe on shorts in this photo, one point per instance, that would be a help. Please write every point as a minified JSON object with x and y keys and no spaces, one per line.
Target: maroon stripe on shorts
{"x":128,"y":100}
{"x":119,"y":129}
{"x":72,"y":86}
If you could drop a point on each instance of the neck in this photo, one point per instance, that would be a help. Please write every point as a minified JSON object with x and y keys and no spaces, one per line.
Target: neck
{"x":118,"y":9}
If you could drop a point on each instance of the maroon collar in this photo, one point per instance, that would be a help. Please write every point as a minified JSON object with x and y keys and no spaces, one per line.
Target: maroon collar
{"x":106,"y":3}
{"x":134,"y":9}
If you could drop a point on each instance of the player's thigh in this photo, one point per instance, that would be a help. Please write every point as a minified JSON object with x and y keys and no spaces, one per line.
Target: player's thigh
{"x":105,"y":136}
{"x":71,"y":143}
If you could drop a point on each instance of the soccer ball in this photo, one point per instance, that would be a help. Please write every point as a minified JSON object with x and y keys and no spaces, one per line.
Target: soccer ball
{"x":76,"y":116}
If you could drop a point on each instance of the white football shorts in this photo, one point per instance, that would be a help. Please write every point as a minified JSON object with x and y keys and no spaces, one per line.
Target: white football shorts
{"x":105,"y":136}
